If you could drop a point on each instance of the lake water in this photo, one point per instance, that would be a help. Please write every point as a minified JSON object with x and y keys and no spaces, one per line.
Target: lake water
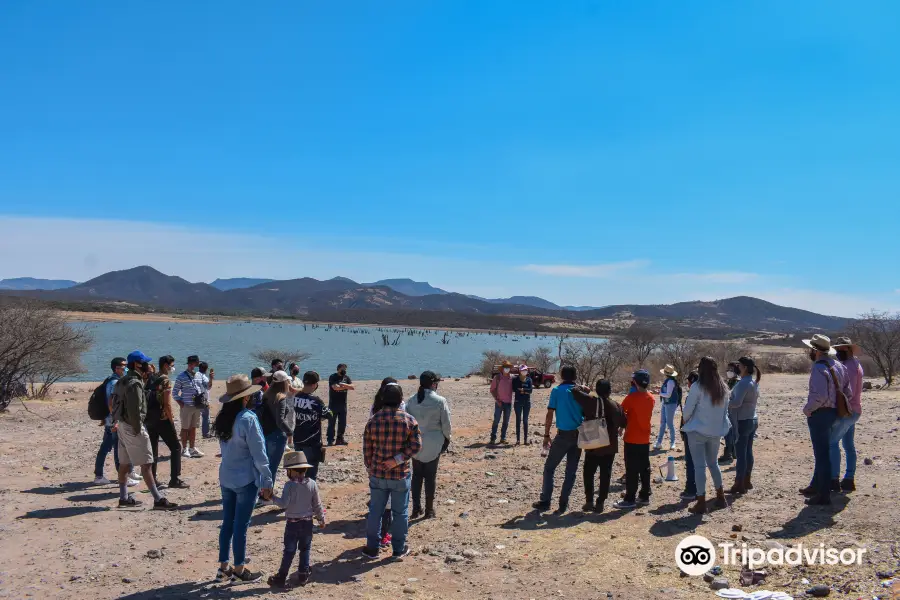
{"x":227,"y":347}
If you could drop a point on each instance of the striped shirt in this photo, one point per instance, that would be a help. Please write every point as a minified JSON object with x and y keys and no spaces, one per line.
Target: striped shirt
{"x":187,"y":386}
{"x":390,"y":433}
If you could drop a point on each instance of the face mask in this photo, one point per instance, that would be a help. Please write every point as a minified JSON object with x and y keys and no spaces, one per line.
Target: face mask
{"x":730,"y":374}
{"x":342,"y":372}
{"x":812,"y":355}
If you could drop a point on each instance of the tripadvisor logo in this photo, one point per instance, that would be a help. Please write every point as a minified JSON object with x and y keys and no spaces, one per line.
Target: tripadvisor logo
{"x":696,"y":555}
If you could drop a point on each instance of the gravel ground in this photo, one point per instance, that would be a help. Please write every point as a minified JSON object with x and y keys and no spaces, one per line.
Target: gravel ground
{"x":62,"y":537}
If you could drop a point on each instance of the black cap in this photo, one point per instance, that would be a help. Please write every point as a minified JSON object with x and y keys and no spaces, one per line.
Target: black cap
{"x":258,"y":372}
{"x":428,"y":379}
{"x":642,"y":377}
{"x":310,"y":377}
{"x":193,"y":358}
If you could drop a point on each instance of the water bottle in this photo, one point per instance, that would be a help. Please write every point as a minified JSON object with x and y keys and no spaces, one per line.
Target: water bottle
{"x":545,"y":450}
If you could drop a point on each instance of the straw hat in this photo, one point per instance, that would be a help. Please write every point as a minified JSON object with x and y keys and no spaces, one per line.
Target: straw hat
{"x":845,"y":342}
{"x":506,"y":365}
{"x":822,"y":343}
{"x":238,"y":386}
{"x":669,"y":371}
{"x":296,"y":460}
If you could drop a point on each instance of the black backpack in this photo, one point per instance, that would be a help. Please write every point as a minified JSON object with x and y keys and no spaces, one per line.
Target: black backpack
{"x":154,"y":408}
{"x":98,"y":409}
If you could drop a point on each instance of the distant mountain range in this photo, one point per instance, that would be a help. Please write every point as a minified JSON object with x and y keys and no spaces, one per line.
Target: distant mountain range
{"x":30,"y":283}
{"x":385,"y":302}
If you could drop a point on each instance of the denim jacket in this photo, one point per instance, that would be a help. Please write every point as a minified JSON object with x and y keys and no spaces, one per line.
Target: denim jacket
{"x":244,"y":458}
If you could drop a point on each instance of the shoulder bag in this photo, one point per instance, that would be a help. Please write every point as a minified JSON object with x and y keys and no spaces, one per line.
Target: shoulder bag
{"x":594,"y":434}
{"x":843,"y":407}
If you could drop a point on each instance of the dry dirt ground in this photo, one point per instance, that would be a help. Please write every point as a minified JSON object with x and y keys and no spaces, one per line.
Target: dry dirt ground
{"x":61,"y":537}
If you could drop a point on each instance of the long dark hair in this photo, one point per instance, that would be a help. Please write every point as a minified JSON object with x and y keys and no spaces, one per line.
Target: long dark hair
{"x":426,"y":381}
{"x":224,"y":423}
{"x":378,"y":404}
{"x":750,"y":365}
{"x":710,"y":380}
{"x":277,"y":387}
{"x":392,"y":396}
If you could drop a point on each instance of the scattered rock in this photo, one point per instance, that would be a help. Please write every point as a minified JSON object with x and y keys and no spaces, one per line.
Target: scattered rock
{"x":737,"y":527}
{"x":819,"y":591}
{"x":719,"y":583}
{"x":408,"y":590}
{"x":455,"y":558}
{"x":155,"y":553}
{"x":469,"y":553}
{"x":884,"y":574}
{"x":866,"y":461}
{"x":773,"y":545}
{"x":708,"y":577}
{"x":127,"y":580}
{"x":867,"y":385}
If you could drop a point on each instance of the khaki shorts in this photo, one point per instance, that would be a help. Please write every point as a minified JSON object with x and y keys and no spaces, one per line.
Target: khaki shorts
{"x":134,"y":449}
{"x":190,"y":417}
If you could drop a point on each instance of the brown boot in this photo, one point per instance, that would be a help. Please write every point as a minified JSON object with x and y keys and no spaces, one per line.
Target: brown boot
{"x":739,"y":487}
{"x":747,"y":485}
{"x":721,"y":502}
{"x":700,"y":507}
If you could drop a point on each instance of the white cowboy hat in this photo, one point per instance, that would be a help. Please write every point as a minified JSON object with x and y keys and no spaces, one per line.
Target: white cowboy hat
{"x":669,"y":370}
{"x":238,"y":386}
{"x":296,"y":460}
{"x":845,"y":342}
{"x":822,"y":343}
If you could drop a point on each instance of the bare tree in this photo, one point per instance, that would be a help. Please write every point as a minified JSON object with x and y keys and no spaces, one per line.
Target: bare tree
{"x":727,"y":351}
{"x":540,"y":358}
{"x":681,"y":353}
{"x":594,"y":360}
{"x":39,"y":347}
{"x":642,"y":339}
{"x":878,"y":334}
{"x":288,"y":356}
{"x":561,"y":341}
{"x":489,"y":359}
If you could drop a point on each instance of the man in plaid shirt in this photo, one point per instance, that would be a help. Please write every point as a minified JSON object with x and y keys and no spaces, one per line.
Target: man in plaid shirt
{"x":391,"y":438}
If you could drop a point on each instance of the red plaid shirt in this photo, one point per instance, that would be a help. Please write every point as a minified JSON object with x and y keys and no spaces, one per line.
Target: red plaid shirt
{"x":389,"y":433}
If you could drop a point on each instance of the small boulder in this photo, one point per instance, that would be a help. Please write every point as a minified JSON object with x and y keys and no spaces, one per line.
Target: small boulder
{"x":819,"y":591}
{"x":470,"y":553}
{"x":867,"y":385}
{"x":737,"y":527}
{"x":719,"y":583}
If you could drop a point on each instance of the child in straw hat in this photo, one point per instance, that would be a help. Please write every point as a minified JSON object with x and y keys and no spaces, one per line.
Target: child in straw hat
{"x":300,"y":501}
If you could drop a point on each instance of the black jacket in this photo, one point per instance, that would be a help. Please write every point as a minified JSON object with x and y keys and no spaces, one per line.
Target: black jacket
{"x":615,"y":419}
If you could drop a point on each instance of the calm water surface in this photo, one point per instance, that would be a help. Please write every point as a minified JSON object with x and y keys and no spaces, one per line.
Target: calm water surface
{"x":227,"y":347}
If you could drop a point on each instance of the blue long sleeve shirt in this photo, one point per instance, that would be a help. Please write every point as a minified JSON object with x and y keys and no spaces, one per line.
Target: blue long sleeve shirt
{"x":244,"y":458}
{"x":743,"y":400}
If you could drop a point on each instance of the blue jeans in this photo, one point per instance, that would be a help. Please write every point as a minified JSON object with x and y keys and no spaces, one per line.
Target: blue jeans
{"x":820,"y":424}
{"x":704,"y":449}
{"x":690,"y":483}
{"x":667,"y":421}
{"x":746,"y":431}
{"x":730,"y":439}
{"x":843,"y":433}
{"x":501,"y":408}
{"x":237,"y":508}
{"x":564,"y":445}
{"x":204,"y":423}
{"x":523,"y":409}
{"x":298,"y":534}
{"x":382,"y":490}
{"x":110,"y":442}
{"x":275,"y":443}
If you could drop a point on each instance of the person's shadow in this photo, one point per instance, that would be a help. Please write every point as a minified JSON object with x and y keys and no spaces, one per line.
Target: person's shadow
{"x":202,"y":589}
{"x":811,"y":519}
{"x":537,"y":521}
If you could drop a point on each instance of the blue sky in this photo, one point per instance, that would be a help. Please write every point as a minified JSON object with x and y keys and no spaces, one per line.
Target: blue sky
{"x":586,"y":152}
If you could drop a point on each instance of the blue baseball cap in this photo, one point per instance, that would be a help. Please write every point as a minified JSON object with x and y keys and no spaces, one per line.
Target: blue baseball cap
{"x":642,"y":377}
{"x":138,"y":356}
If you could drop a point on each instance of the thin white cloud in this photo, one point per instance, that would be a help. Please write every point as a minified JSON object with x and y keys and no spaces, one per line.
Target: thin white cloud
{"x":587,"y":271}
{"x":721,"y":277}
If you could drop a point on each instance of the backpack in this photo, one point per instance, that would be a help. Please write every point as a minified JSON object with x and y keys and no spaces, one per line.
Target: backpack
{"x":98,"y":409}
{"x":154,"y":408}
{"x":117,"y":411}
{"x":675,"y":398}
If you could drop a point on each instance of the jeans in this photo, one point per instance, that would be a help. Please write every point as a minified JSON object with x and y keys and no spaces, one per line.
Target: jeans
{"x":275,"y":443}
{"x":501,"y":408}
{"x":523,"y":409}
{"x":297,"y":535}
{"x":843,"y":433}
{"x":424,"y":472}
{"x":565,"y":445}
{"x":340,"y":421}
{"x":110,"y":442}
{"x":313,"y":456}
{"x":382,"y":490}
{"x":690,"y":483}
{"x":667,"y":421}
{"x":165,"y":430}
{"x":820,"y":424}
{"x":593,"y":462}
{"x":704,"y":450}
{"x":237,"y":508}
{"x":730,"y":440}
{"x":637,"y":467}
{"x":204,"y":421}
{"x":743,"y":447}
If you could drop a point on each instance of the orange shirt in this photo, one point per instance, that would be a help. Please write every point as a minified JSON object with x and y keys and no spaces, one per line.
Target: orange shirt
{"x":638,"y":408}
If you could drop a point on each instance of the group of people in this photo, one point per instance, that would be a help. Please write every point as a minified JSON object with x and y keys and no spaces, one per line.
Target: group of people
{"x":263,"y":415}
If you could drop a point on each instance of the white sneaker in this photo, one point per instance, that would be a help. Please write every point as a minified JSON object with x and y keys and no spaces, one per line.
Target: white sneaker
{"x":102,"y":481}
{"x":135,"y":474}
{"x":196,"y":453}
{"x":130,"y":482}
{"x":657,"y":446}
{"x":187,"y":453}
{"x":673,"y":448}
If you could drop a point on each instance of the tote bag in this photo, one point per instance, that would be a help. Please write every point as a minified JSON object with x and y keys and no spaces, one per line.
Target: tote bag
{"x":594,"y":434}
